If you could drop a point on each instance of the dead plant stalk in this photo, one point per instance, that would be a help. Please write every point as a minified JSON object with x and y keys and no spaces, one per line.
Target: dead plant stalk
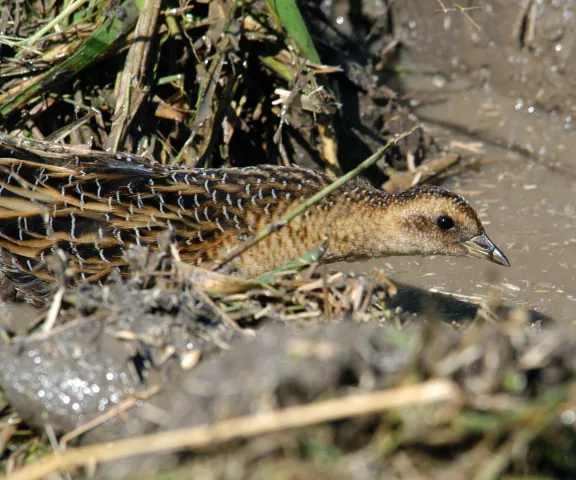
{"x":432,"y":391}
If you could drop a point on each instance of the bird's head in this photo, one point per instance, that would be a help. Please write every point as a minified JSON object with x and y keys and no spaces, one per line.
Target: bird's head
{"x":429,"y":220}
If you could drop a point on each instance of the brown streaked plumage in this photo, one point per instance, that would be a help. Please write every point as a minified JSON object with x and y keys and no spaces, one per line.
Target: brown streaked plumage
{"x":94,"y":205}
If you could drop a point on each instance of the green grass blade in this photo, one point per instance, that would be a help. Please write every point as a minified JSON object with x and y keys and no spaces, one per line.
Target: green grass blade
{"x":68,"y":10}
{"x":297,"y":264}
{"x":95,"y":46}
{"x":287,"y":15}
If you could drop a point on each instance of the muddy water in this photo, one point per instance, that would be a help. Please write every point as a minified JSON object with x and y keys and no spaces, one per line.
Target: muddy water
{"x":525,"y":192}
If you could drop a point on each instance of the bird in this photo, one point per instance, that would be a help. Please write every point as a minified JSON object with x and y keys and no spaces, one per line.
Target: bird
{"x":94,"y":205}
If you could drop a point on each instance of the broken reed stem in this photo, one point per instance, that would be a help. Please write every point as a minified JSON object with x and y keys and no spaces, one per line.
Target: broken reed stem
{"x":132,"y":87}
{"x":274,"y":227}
{"x":432,"y":391}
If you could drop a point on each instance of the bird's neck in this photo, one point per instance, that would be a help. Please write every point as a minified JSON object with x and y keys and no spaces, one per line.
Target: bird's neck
{"x":367,"y":227}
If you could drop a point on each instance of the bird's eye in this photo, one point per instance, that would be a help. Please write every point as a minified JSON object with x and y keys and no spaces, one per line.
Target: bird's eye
{"x":444,"y":222}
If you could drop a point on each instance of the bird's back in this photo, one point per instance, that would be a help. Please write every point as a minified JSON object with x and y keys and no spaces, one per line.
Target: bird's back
{"x":92,"y":206}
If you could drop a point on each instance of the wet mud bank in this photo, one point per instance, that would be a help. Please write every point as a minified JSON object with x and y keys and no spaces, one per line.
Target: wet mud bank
{"x":523,"y":50}
{"x":156,"y":363}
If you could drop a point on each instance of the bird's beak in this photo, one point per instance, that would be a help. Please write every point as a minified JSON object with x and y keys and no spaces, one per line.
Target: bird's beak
{"x":482,"y":247}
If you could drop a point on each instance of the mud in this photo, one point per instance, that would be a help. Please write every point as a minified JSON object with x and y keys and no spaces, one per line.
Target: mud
{"x":132,"y":335}
{"x":105,"y":352}
{"x":524,"y":50}
{"x":123,"y":342}
{"x":300,"y":366}
{"x":72,"y":376}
